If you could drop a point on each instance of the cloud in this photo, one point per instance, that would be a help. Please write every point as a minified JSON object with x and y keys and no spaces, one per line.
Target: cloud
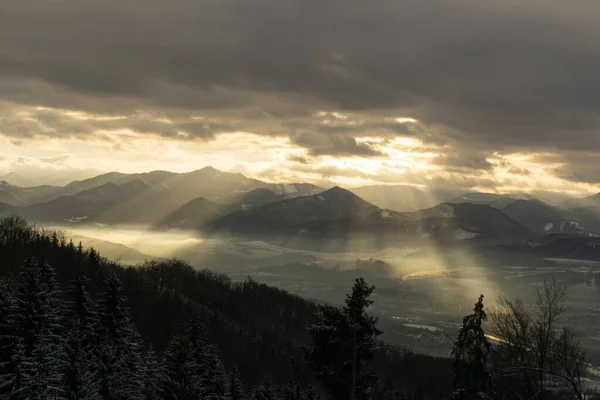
{"x":494,"y":76}
{"x":333,"y":144}
{"x":577,"y":167}
{"x":458,"y":162}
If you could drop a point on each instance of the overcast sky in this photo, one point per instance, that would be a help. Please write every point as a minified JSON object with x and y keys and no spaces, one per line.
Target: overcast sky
{"x":492,"y":95}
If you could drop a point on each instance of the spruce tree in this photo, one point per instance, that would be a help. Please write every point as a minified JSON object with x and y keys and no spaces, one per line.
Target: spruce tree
{"x":214,"y":381}
{"x":472,"y":380}
{"x":153,"y":375}
{"x":179,"y":369}
{"x":344,"y":340}
{"x":236,"y":386}
{"x":265,"y":391}
{"x":292,"y":391}
{"x":35,"y":371}
{"x":51,"y":353}
{"x":185,"y":361}
{"x":18,"y":383}
{"x":120,"y":354}
{"x":311,"y":393}
{"x":81,"y":370}
{"x":7,"y":337}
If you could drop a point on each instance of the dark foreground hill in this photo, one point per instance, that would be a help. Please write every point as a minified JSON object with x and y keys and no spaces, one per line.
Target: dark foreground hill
{"x":258,"y":329}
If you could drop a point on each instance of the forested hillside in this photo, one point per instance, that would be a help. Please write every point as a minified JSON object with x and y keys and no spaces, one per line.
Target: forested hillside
{"x":163,"y":330}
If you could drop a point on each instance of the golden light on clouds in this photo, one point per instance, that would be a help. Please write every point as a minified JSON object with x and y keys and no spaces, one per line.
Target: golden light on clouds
{"x":76,"y":140}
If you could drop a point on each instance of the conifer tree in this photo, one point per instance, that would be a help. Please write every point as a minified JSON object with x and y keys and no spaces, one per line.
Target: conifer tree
{"x":236,"y":386}
{"x":120,"y":374}
{"x":345,"y":339}
{"x":177,"y":361}
{"x":292,"y":391}
{"x":472,"y":380}
{"x":153,"y":375}
{"x":81,"y":371}
{"x":22,"y":320}
{"x":182,"y":364}
{"x":18,"y":383}
{"x":7,"y":338}
{"x":35,"y":370}
{"x":265,"y":391}
{"x":214,"y":381}
{"x":50,"y":352}
{"x":311,"y":393}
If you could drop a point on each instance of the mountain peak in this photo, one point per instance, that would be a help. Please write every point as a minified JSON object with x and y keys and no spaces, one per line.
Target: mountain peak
{"x":340,"y":193}
{"x":338,"y":190}
{"x":341,"y":197}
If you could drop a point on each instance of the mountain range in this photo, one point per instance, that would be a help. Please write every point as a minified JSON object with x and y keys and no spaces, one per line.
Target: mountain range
{"x":222,"y":203}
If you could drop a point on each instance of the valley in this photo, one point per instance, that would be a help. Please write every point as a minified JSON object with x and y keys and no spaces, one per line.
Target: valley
{"x":430,"y":254}
{"x":422,"y":292}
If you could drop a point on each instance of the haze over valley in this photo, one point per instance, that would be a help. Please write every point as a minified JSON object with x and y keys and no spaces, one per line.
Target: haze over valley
{"x":429,"y":256}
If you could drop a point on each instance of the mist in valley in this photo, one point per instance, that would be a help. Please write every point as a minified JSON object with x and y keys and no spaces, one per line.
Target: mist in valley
{"x":422,"y":291}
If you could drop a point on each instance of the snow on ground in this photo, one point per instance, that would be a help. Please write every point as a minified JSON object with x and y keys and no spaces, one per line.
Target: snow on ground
{"x":548,"y":226}
{"x":460,"y":234}
{"x":426,"y":327}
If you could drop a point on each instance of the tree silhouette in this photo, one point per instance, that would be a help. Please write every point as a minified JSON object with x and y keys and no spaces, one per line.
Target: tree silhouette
{"x":472,"y":379}
{"x":344,"y":339}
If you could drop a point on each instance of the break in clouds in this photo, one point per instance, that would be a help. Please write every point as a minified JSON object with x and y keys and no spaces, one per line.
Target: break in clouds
{"x":468,"y":80}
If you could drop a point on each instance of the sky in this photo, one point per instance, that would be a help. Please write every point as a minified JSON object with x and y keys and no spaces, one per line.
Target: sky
{"x":497,"y":96}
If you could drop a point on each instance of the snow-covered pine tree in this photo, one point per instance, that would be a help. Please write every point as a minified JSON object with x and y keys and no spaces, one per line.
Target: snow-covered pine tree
{"x":35,"y":369}
{"x":121,"y":375}
{"x":235,"y":385}
{"x":7,"y":337}
{"x":265,"y":391}
{"x":27,"y":324}
{"x":50,"y":352}
{"x":179,"y":369}
{"x":292,"y":391}
{"x":184,"y":362}
{"x":214,"y":380}
{"x":18,"y":384}
{"x":81,"y":370}
{"x":153,"y":375}
{"x":311,"y":393}
{"x":472,"y":380}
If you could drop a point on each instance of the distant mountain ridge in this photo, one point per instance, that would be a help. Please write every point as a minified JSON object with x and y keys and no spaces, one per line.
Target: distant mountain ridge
{"x":220,"y":202}
{"x":147,"y":198}
{"x":336,"y":213}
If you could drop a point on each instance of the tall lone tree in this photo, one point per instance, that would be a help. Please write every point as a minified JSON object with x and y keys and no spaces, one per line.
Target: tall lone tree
{"x":472,"y":379}
{"x":344,"y":340}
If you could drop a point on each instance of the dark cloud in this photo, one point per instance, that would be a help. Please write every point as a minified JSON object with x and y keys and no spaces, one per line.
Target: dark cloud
{"x":298,"y":159}
{"x":50,"y":122}
{"x":578,"y":167}
{"x":494,"y":75}
{"x":463,"y":162}
{"x":519,"y":171}
{"x":333,"y":144}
